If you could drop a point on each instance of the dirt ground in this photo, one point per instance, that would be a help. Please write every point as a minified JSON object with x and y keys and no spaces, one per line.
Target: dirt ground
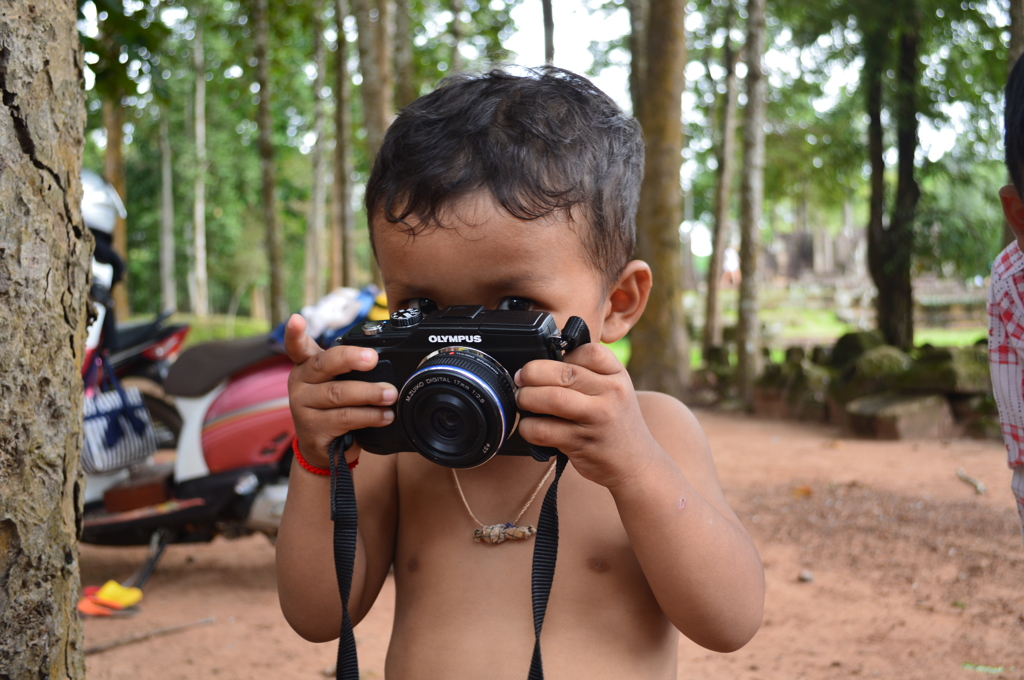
{"x":908,"y":573}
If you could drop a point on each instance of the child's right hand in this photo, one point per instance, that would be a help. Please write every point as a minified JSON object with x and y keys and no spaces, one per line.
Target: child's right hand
{"x":324,"y":408}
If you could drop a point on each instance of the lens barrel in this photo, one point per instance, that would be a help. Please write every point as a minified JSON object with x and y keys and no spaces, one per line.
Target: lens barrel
{"x":458,"y":407}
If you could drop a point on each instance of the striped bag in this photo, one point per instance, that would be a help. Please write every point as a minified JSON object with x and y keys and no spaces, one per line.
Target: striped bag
{"x":118,"y":429}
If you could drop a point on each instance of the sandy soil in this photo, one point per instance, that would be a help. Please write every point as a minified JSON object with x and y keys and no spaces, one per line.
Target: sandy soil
{"x":912,"y":574}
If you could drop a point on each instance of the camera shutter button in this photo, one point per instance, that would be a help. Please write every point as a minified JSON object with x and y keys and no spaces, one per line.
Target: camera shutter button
{"x":404,"y":318}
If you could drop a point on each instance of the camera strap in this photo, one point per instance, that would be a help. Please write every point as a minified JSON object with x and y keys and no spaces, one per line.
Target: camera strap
{"x":346,"y":525}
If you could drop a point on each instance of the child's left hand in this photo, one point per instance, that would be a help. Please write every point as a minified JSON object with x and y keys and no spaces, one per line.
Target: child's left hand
{"x":597,"y":421}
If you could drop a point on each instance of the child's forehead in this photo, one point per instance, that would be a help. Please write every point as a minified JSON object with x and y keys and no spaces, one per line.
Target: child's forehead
{"x":479,"y":216}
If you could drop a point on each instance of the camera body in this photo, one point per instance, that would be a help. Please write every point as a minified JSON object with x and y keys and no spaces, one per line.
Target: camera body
{"x":453,"y":368}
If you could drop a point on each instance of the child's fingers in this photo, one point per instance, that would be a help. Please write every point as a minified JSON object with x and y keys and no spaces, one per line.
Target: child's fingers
{"x":299,"y":346}
{"x":561,"y":434}
{"x":334,"y":423}
{"x":345,"y":393}
{"x":543,"y":372}
{"x":594,"y":357}
{"x":559,"y":402}
{"x":330,"y":363}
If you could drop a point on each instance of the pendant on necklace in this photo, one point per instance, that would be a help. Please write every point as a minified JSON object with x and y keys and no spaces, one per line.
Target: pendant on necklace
{"x":499,"y":533}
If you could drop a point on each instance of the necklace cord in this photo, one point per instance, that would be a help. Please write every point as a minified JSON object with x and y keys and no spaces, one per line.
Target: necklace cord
{"x":533,"y":496}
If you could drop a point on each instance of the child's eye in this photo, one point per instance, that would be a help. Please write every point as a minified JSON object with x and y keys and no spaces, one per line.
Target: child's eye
{"x":517,"y":304}
{"x":425,"y":305}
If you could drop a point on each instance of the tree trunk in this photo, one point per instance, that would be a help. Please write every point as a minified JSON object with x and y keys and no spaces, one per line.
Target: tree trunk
{"x":44,"y":276}
{"x":748,"y":328}
{"x":113,"y":172}
{"x":375,"y":65}
{"x":315,"y":227}
{"x":168,"y":289}
{"x":1014,"y":53}
{"x":876,"y":45}
{"x":660,"y":359}
{"x":405,"y":69}
{"x":725,"y":155}
{"x":455,"y":28}
{"x":274,"y":243}
{"x":895,"y":301}
{"x":342,"y":222}
{"x":201,"y":304}
{"x":639,"y":12}
{"x":549,"y":32}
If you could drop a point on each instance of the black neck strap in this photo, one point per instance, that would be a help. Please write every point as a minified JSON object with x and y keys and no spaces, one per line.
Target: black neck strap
{"x":346,"y":524}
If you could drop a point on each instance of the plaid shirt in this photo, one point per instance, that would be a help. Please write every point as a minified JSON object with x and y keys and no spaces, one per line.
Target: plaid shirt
{"x":1006,"y":358}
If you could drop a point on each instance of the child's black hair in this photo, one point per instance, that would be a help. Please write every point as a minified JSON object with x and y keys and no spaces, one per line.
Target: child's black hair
{"x":1014,"y":121}
{"x":541,"y":142}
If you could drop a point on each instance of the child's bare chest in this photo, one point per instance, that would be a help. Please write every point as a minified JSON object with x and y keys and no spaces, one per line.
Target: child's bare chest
{"x":482,"y":591}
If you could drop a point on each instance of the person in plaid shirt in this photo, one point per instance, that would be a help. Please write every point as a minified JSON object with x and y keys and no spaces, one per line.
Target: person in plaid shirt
{"x":1006,"y":295}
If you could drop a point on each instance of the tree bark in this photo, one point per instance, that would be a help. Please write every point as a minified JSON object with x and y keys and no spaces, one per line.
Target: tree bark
{"x":876,"y":43}
{"x":639,"y":12}
{"x":315,"y":227}
{"x":725,"y":154}
{"x":748,"y":328}
{"x":274,"y":241}
{"x":549,"y":32}
{"x":660,"y":359}
{"x":44,"y":276}
{"x":168,"y":289}
{"x":895,"y":301}
{"x":342,"y":222}
{"x":201,"y":303}
{"x":455,"y":28}
{"x":405,"y":70}
{"x":375,"y":66}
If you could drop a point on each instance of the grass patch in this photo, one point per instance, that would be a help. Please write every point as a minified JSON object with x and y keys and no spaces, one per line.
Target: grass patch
{"x":215,"y":327}
{"x":950,"y":337}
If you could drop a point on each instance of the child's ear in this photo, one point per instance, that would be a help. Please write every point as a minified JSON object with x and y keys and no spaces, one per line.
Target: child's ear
{"x":1012,"y":208}
{"x":626,"y":300}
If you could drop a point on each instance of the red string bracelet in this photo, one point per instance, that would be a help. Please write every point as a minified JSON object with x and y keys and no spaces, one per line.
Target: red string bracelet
{"x":312,"y":468}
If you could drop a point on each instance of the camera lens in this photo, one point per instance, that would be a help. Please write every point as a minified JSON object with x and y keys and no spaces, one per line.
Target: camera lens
{"x":447,"y":423}
{"x":458,"y":407}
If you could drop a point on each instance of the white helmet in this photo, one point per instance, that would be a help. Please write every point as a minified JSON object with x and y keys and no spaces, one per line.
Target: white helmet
{"x":101,"y":206}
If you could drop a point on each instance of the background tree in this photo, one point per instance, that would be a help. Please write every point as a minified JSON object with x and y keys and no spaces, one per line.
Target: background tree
{"x":201,"y":302}
{"x":274,"y":242}
{"x":44,"y":258}
{"x":372,"y":20}
{"x":342,"y":222}
{"x":661,"y":358}
{"x":724,"y":155}
{"x":316,"y":249}
{"x":748,"y":328}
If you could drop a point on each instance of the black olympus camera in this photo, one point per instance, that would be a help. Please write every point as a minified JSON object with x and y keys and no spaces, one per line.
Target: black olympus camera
{"x":453,"y":368}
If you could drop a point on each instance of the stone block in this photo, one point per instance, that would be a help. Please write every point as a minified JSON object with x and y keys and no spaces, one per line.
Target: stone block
{"x":852,"y":345}
{"x":876,"y":370}
{"x":952,"y":370}
{"x":900,"y":416}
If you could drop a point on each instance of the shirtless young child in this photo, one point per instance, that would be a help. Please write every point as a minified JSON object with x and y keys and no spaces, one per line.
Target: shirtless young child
{"x":519,"y":192}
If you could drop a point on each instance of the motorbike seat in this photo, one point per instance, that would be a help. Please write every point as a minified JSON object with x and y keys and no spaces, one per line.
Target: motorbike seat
{"x":199,"y":368}
{"x":138,"y":332}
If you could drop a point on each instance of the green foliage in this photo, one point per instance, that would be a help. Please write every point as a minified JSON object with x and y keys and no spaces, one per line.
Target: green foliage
{"x":149,"y":61}
{"x":960,"y":221}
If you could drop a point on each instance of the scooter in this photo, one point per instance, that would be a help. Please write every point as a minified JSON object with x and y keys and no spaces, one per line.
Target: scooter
{"x":229,"y":474}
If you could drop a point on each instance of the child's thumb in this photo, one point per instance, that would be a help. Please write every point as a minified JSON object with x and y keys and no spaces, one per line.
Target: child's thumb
{"x":299,"y":346}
